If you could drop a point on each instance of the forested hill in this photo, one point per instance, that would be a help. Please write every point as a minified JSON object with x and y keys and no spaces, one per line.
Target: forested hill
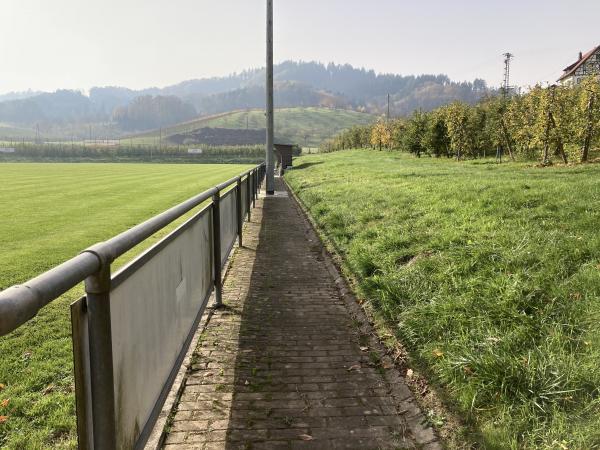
{"x":297,"y":84}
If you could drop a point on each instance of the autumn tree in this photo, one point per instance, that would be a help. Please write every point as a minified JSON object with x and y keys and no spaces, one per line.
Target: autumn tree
{"x":588,"y":117}
{"x":435,"y":138}
{"x":559,"y":121}
{"x":397,"y":129}
{"x":459,"y":120}
{"x":381,"y":135}
{"x":414,"y":133}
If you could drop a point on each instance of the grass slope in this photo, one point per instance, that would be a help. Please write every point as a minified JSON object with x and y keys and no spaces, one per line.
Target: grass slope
{"x":490,"y":275}
{"x":9,"y":132}
{"x":51,"y":212}
{"x":302,"y":126}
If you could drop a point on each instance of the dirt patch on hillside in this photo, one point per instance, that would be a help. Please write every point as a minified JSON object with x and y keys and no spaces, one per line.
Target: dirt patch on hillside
{"x":219,"y":136}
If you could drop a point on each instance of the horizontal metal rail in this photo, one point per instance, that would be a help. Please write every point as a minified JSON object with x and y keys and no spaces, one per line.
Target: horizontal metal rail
{"x":20,"y":303}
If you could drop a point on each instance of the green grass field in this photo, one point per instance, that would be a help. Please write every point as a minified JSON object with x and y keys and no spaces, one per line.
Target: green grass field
{"x":302,"y":126}
{"x":488,"y":274}
{"x":50,"y":213}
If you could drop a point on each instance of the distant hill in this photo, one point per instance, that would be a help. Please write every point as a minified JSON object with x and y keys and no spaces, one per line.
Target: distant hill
{"x":302,"y":126}
{"x":297,"y":84}
{"x":346,"y":86}
{"x":62,"y":106}
{"x":18,"y":95}
{"x":288,"y":94}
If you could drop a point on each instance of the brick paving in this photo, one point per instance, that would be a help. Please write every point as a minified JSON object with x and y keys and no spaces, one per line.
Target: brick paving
{"x":285,"y":365}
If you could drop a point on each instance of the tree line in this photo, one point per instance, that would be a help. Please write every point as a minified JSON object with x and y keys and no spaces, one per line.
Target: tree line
{"x":147,"y":112}
{"x":556,"y":122}
{"x":65,"y":151}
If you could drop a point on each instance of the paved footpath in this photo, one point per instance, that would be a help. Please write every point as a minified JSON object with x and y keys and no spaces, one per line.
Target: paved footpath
{"x":283,"y":364}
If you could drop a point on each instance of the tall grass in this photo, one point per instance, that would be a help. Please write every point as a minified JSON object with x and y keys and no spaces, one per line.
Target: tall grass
{"x":490,"y":276}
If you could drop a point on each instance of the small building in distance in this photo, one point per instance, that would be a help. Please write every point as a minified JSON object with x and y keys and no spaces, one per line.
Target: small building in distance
{"x":586,"y":65}
{"x":284,"y":153}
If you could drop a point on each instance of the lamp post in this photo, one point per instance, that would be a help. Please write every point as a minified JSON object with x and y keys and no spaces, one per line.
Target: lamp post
{"x":270,"y":119}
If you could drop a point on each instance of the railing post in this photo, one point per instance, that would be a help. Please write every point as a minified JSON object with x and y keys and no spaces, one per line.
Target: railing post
{"x":240,"y":217}
{"x":97,"y":288}
{"x":259,"y":181}
{"x":254,"y":184}
{"x":216,"y":222}
{"x":248,"y":196}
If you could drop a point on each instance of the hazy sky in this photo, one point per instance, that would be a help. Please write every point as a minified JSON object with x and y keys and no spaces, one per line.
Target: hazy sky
{"x":50,"y":44}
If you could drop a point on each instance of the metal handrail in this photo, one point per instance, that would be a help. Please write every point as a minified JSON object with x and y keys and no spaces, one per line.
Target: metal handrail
{"x":21,"y":303}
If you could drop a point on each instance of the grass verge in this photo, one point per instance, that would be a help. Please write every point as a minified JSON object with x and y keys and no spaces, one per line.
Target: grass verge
{"x":489,"y":275}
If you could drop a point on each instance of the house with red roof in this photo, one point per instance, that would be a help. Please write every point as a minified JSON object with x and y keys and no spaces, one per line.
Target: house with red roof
{"x":586,"y":65}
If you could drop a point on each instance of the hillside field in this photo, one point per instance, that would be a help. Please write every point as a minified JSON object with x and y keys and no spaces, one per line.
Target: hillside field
{"x":307,"y":127}
{"x":489,"y":275}
{"x":9,"y":132}
{"x":51,"y":213}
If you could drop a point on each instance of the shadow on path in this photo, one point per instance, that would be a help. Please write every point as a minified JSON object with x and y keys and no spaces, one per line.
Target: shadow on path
{"x":281,"y":366}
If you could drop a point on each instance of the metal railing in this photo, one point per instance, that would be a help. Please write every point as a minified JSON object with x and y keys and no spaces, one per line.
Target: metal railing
{"x":133,"y":328}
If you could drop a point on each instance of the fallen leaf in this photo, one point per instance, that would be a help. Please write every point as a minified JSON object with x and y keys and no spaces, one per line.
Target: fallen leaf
{"x":364,"y":349}
{"x":409,"y":373}
{"x":306,"y":437}
{"x":2,"y":386}
{"x":246,"y":382}
{"x":354,"y":367}
{"x":468,"y":370}
{"x":387,"y":365}
{"x":4,"y":403}
{"x":208,"y":374}
{"x":438,"y":353}
{"x":3,"y":419}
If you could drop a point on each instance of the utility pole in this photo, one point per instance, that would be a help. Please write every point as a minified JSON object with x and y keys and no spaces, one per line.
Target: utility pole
{"x":270,"y":119}
{"x":388,"y":110}
{"x":159,"y":125}
{"x":505,"y":94}
{"x":506,"y":86}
